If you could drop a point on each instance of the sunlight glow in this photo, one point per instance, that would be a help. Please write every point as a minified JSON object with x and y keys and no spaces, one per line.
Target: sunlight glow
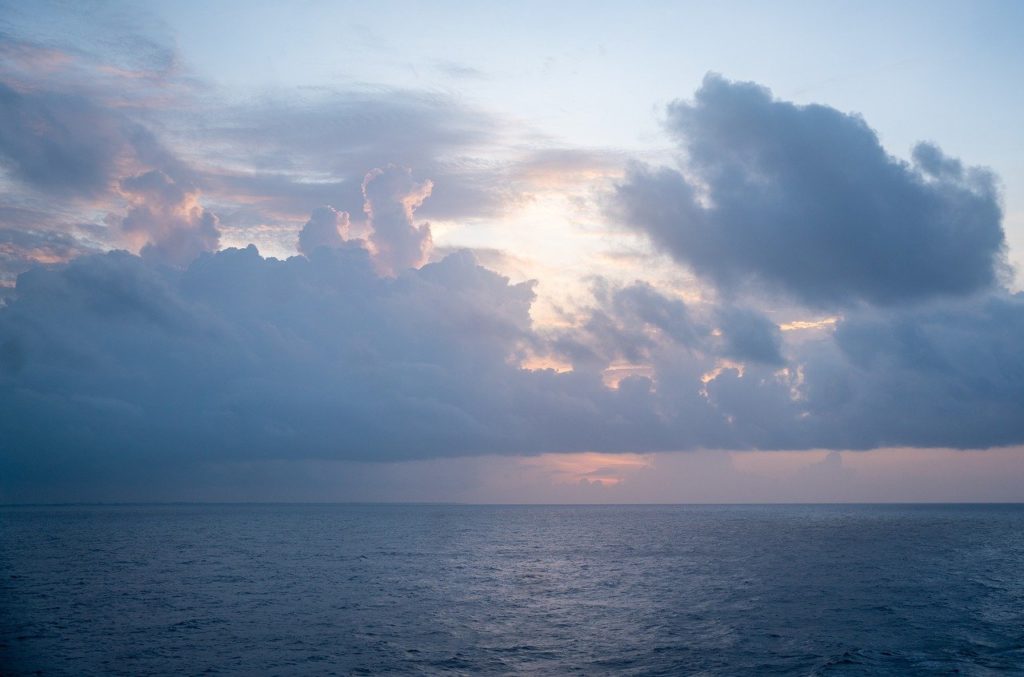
{"x":823,"y":323}
{"x":589,"y":467}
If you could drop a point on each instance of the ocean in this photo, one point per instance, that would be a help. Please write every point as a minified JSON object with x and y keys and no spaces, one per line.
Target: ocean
{"x":550,"y":590}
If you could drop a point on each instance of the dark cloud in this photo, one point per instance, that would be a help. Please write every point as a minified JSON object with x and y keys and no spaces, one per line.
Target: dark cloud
{"x":61,"y":143}
{"x":642,"y":304}
{"x":950,"y":375}
{"x":113,"y":366}
{"x":749,"y":336}
{"x":933,"y":377}
{"x":627,"y":323}
{"x":114,"y":360}
{"x":805,"y":199}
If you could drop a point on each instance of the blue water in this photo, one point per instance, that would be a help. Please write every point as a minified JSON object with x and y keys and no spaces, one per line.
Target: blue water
{"x":332,"y":589}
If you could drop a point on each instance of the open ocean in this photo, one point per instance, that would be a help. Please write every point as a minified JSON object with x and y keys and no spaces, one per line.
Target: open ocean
{"x":449,"y":589}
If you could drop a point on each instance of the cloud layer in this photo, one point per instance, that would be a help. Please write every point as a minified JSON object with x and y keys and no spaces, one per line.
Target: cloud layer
{"x":116,"y":364}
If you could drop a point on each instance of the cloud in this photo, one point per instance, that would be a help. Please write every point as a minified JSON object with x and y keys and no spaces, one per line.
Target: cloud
{"x":77,"y":121}
{"x":935,"y":376}
{"x":282,"y":141}
{"x":61,"y":143}
{"x":117,"y":366}
{"x":327,"y":227}
{"x":338,"y":131}
{"x":950,"y":375}
{"x":76,"y":112}
{"x":627,"y":323}
{"x":747,"y":335}
{"x":278,"y":157}
{"x":167,"y":220}
{"x":21,"y":249}
{"x":391,"y":197}
{"x":805,"y":200}
{"x":76,"y":142}
{"x":276,"y":323}
{"x":116,"y":102}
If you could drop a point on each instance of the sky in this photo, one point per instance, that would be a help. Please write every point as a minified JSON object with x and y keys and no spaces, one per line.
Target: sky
{"x":584,"y":252}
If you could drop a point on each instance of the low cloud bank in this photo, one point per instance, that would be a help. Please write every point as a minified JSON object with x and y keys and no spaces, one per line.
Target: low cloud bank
{"x":114,"y":363}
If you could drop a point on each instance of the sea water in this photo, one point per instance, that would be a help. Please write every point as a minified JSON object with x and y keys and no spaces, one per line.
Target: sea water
{"x":450,"y":589}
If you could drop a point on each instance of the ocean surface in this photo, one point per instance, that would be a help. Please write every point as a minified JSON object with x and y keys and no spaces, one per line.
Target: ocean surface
{"x":447,"y":589}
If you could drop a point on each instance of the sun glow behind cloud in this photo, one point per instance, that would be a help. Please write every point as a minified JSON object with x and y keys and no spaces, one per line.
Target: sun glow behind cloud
{"x":589,"y":468}
{"x":559,"y":235}
{"x":823,"y":323}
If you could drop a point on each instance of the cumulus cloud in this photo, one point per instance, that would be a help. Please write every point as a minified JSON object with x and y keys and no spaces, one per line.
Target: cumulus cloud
{"x":166,"y":219}
{"x":114,"y":364}
{"x":391,"y":198}
{"x":327,"y":227}
{"x":111,"y":365}
{"x":110,"y":360}
{"x":805,"y":199}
